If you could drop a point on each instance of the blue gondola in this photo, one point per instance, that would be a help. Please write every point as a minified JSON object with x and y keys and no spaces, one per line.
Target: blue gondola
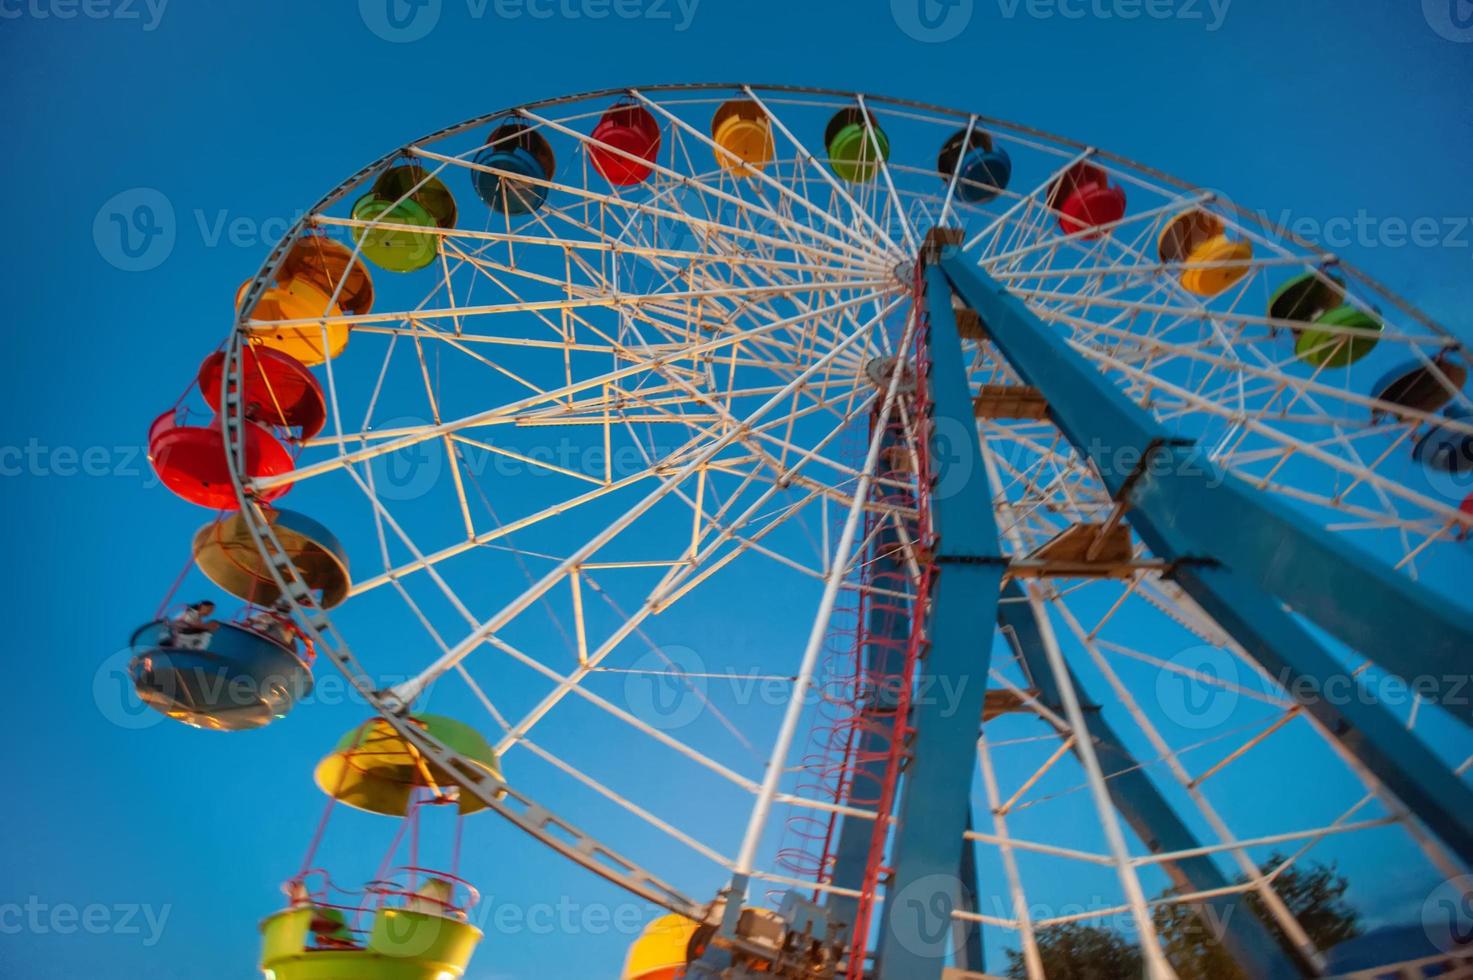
{"x":985,"y":169}
{"x":518,"y":150}
{"x":224,"y":677}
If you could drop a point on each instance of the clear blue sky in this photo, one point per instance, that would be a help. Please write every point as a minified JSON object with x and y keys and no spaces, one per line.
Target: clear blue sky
{"x":236,"y":110}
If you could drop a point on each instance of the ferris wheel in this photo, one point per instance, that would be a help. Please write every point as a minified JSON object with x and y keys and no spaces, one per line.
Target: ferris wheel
{"x":872,"y":532}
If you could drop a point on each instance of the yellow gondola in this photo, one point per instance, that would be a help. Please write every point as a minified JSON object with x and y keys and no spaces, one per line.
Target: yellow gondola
{"x":742,"y":129}
{"x":374,"y":768}
{"x":298,"y":298}
{"x":661,"y":951}
{"x":1214,"y":262}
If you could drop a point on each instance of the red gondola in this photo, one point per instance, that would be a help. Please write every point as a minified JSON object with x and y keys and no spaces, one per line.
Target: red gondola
{"x":278,"y":389}
{"x":190,"y":460}
{"x":632,"y":129}
{"x":1086,"y":200}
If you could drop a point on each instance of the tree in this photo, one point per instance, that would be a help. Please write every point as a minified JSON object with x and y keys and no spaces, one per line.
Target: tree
{"x":1079,"y":952}
{"x":1313,"y":893}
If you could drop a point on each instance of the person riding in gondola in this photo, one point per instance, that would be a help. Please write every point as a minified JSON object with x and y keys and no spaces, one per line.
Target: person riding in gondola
{"x":268,"y":623}
{"x":193,"y":626}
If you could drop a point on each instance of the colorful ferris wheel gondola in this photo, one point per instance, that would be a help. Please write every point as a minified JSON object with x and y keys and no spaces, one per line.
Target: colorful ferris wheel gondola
{"x":741,"y":128}
{"x":228,"y":556}
{"x":1329,"y":332}
{"x":190,"y":460}
{"x":332,"y":268}
{"x":277,"y":390}
{"x":376,"y":769}
{"x":1086,"y":201}
{"x":284,"y":317}
{"x":1423,"y":386}
{"x":254,"y":668}
{"x":412,"y":182}
{"x":982,"y":170}
{"x":1212,"y":261}
{"x":317,"y":279}
{"x":283,"y":403}
{"x":411,"y":923}
{"x":626,"y":143}
{"x":662,"y":951}
{"x":220,"y":675}
{"x":405,"y":195}
{"x":856,"y":145}
{"x":523,"y":156}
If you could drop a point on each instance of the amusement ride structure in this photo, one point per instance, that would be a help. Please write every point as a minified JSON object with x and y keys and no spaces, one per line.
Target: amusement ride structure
{"x":1053,"y":497}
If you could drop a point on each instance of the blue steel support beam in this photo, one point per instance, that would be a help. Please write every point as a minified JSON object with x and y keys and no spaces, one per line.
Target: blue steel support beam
{"x":1183,"y":505}
{"x":966,"y":940}
{"x":1188,"y":510}
{"x":1149,"y":814}
{"x":1374,"y":736}
{"x":926,"y":851}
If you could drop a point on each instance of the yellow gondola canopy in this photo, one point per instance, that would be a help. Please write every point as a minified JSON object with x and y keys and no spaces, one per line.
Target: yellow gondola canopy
{"x":1199,"y":239}
{"x":662,"y":949}
{"x":226,"y":553}
{"x":741,"y":128}
{"x":1185,"y":233}
{"x":375,"y":769}
{"x":297,"y":298}
{"x":330,"y":266}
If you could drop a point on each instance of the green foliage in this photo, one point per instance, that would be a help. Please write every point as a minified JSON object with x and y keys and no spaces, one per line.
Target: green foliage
{"x":1079,"y":952}
{"x":1314,"y":893}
